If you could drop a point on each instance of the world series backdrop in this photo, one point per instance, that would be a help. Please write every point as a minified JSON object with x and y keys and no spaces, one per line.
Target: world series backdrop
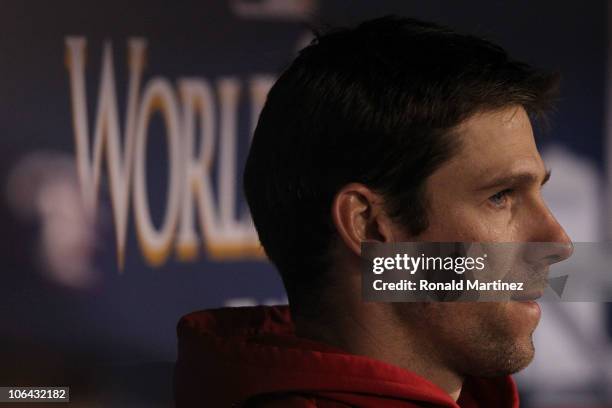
{"x":125,"y":126}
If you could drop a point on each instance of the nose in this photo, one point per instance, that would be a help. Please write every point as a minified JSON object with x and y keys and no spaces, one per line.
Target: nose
{"x":547,"y":253}
{"x":554,"y":243}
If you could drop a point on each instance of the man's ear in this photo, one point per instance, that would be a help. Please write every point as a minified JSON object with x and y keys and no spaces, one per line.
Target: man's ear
{"x":358,"y":215}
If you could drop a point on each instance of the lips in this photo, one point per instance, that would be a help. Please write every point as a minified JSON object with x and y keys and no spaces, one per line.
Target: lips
{"x":527,"y":296}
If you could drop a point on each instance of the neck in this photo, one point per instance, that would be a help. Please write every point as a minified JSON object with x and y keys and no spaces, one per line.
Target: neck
{"x":374,"y":330}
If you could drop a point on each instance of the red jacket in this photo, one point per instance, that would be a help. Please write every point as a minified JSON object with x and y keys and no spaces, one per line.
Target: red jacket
{"x":228,"y":356}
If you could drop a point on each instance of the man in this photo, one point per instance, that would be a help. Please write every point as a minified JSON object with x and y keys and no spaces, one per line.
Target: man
{"x":396,"y":130}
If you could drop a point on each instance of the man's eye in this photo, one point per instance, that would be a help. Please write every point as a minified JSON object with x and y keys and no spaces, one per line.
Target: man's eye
{"x":500,"y":199}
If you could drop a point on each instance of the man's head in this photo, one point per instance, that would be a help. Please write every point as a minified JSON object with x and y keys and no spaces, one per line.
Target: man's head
{"x":400,"y":130}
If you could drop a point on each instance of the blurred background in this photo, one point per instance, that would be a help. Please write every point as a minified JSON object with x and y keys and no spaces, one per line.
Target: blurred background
{"x":124,"y":128}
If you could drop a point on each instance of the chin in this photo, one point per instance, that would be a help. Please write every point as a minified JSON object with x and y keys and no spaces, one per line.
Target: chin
{"x":517,"y":358}
{"x":511,"y":349}
{"x":506,"y":358}
{"x":499,"y":341}
{"x":481,"y":339}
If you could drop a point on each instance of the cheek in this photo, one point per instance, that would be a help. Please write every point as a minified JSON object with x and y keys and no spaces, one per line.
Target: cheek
{"x":468,"y":225}
{"x":455,"y":216}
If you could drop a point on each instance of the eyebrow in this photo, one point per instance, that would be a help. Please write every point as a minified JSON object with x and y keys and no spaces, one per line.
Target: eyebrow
{"x":515,"y":179}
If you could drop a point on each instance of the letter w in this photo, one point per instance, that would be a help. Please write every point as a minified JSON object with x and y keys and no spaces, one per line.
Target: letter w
{"x":107,"y":136}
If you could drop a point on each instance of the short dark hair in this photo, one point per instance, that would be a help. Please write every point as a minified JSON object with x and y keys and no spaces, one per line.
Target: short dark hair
{"x":374,"y":104}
